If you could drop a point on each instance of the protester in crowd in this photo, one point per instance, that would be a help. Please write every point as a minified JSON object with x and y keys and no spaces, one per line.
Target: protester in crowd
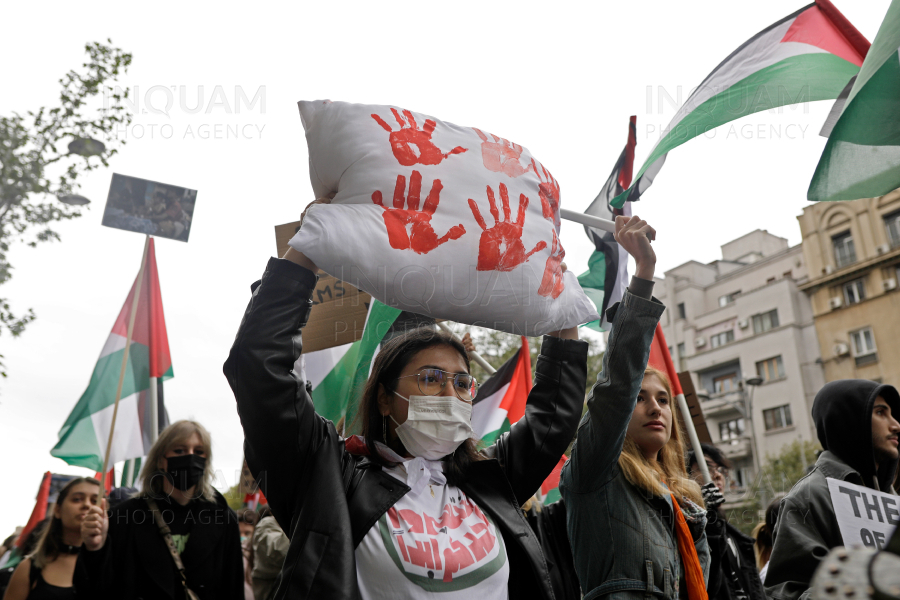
{"x":7,"y":546}
{"x":247,"y":520}
{"x":732,"y":573}
{"x":856,"y":421}
{"x":548,"y":521}
{"x":47,"y":574}
{"x":127,"y":554}
{"x":358,"y":521}
{"x":269,"y":548}
{"x":764,"y":534}
{"x":625,"y":485}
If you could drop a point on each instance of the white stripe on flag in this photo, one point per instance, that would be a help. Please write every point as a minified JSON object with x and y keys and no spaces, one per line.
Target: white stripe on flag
{"x":127,"y":440}
{"x":487,"y":416}
{"x":114,"y":343}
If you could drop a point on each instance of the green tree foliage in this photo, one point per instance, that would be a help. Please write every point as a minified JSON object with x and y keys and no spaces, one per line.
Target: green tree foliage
{"x":778,"y":475}
{"x":234,"y":498}
{"x":36,"y":166}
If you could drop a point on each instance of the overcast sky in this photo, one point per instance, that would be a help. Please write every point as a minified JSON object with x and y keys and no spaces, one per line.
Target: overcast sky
{"x":559,"y":78}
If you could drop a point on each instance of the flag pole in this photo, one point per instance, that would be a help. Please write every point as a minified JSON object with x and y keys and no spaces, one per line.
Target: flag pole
{"x":589,"y":220}
{"x":134,"y":307}
{"x":154,"y":409}
{"x":692,"y":436}
{"x":475,"y":356}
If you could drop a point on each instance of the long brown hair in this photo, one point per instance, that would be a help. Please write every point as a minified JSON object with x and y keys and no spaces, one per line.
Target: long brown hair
{"x":152,"y":476}
{"x":390,"y":362}
{"x":47,"y":548}
{"x":669,"y":464}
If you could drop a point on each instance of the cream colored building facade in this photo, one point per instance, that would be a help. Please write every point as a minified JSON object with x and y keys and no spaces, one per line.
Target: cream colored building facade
{"x":852,"y":252}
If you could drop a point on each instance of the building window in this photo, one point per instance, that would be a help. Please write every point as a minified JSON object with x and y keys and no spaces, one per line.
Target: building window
{"x":864,"y":350}
{"x":725,"y":383}
{"x":892,"y":224}
{"x":788,"y":275}
{"x":681,"y":313}
{"x":681,"y":357}
{"x":740,"y":478}
{"x":728,"y":298}
{"x":720,"y":339}
{"x":854,"y":291}
{"x":731,"y":430}
{"x":770,"y":369}
{"x":778,"y":417}
{"x":765,"y":321}
{"x":844,"y":252}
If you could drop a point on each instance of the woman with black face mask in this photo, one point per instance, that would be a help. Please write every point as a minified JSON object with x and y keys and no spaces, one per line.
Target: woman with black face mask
{"x":177,"y":521}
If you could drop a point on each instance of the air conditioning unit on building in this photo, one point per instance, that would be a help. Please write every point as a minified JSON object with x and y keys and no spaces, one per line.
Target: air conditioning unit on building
{"x":829,"y":269}
{"x":744,"y":323}
{"x":883,"y":249}
{"x":841,"y":349}
{"x":835,"y":302}
{"x":699,"y":342}
{"x":889,"y":284}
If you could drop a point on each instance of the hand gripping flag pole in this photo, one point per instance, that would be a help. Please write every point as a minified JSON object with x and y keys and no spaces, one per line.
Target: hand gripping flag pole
{"x":134,"y":307}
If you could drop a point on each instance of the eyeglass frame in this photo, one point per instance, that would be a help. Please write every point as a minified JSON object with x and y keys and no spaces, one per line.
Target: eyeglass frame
{"x":455,"y":375}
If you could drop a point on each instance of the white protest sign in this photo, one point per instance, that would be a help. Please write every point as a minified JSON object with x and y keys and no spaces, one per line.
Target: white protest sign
{"x":867,"y":518}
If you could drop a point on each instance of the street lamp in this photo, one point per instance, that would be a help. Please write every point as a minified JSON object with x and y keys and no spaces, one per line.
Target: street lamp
{"x":752,"y":383}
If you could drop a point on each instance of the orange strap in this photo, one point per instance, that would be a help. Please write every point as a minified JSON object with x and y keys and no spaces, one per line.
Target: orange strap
{"x":693,"y":572}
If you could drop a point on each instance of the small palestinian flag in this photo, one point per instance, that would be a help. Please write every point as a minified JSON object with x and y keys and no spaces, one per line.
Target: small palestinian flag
{"x":807,"y":56}
{"x":501,"y":399}
{"x":862,"y":156}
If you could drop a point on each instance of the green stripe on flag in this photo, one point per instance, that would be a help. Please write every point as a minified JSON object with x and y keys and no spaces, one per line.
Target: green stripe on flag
{"x":378,"y":323}
{"x":592,"y":282}
{"x":490,"y":438}
{"x":330,"y":396}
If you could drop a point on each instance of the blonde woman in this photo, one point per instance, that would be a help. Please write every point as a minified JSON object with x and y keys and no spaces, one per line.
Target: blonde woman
{"x":635,"y":520}
{"x":47,"y":574}
{"x":126,"y":555}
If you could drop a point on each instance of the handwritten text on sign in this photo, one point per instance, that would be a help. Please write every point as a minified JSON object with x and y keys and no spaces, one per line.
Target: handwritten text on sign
{"x":867,"y":518}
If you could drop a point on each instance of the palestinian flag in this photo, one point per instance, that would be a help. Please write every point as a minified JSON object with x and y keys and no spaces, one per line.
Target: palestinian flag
{"x":807,"y":56}
{"x":338,"y":375}
{"x":109,"y":482}
{"x":501,"y":400}
{"x":83,"y":437}
{"x":131,"y":471}
{"x":862,"y":156}
{"x":550,"y":488}
{"x":607,"y":275}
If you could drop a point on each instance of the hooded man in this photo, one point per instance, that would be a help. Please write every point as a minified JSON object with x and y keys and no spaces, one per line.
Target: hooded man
{"x":856,"y":421}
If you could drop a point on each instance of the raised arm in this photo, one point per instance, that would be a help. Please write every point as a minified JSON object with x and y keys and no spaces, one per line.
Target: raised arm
{"x":281,"y":427}
{"x":611,"y":402}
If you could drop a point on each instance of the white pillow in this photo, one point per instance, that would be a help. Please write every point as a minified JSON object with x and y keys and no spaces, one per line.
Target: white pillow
{"x":430,"y":217}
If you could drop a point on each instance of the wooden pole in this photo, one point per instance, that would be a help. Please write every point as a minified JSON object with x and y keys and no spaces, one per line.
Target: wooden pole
{"x":134,"y":307}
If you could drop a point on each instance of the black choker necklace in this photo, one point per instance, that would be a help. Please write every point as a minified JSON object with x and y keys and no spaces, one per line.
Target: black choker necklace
{"x":67,"y":549}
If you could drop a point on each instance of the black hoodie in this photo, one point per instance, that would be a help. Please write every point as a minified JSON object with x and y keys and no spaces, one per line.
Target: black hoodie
{"x":842,"y":412}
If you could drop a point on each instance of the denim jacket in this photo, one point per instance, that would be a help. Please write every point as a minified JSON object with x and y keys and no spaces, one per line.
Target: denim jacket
{"x":623,"y":539}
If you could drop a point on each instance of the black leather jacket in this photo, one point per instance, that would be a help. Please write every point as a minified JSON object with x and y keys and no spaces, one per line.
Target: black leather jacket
{"x":327,"y":499}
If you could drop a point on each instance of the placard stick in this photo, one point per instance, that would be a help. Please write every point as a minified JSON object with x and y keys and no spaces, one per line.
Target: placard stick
{"x":475,"y":356}
{"x":134,"y":307}
{"x":589,"y":220}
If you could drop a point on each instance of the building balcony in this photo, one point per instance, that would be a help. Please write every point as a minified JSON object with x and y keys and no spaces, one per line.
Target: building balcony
{"x":717,"y":405}
{"x":736,"y":449}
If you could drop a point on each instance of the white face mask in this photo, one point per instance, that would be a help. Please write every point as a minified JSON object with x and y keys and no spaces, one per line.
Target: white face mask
{"x":435,"y":425}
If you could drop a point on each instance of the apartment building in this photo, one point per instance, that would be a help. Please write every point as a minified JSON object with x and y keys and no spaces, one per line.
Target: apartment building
{"x":744,"y":329}
{"x":852,"y":250}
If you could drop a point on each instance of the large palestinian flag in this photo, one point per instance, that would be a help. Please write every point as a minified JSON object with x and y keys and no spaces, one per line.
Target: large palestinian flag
{"x":862,"y":156}
{"x":607,"y":276}
{"x":501,"y":400}
{"x":83,"y":437}
{"x":807,"y":56}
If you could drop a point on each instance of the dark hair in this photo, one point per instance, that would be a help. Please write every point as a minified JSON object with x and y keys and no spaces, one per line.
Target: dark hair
{"x":248,"y":516}
{"x":51,"y":540}
{"x":765,"y":534}
{"x":712,"y":452}
{"x":390,"y":362}
{"x":264,"y":511}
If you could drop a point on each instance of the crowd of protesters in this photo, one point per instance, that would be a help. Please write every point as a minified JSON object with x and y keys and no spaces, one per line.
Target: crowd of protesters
{"x":415,"y":507}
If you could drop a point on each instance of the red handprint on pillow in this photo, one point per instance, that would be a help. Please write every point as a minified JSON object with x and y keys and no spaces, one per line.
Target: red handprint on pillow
{"x":548,"y":190}
{"x":412,"y":145}
{"x":552,"y":283}
{"x":500,"y":247}
{"x":410,"y":228}
{"x":501,"y":156}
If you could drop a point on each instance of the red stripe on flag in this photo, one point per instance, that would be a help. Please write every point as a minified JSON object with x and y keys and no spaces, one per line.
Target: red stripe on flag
{"x":150,"y":322}
{"x":519,"y":386}
{"x":830,"y":31}
{"x":628,"y":167}
{"x":552,"y":481}
{"x":40,"y":509}
{"x":109,"y":481}
{"x":661,"y":359}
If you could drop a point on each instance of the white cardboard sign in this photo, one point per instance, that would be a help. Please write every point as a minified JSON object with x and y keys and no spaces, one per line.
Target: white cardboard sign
{"x":867,"y":518}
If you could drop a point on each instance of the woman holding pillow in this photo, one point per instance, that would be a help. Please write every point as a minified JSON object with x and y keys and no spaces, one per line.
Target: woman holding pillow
{"x":414,"y":509}
{"x":635,"y":519}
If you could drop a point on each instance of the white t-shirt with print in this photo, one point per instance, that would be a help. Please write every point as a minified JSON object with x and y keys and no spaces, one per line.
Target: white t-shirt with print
{"x":434,"y":544}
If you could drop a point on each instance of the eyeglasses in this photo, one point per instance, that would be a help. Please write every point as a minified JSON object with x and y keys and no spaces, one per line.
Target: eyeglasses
{"x":723,"y":471}
{"x":431,"y":383}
